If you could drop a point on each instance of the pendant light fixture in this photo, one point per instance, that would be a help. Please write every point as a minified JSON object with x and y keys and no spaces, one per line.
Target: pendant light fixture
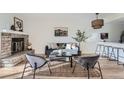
{"x":97,"y":23}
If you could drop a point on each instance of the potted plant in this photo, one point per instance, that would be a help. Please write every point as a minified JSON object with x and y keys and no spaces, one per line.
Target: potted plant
{"x":80,"y":37}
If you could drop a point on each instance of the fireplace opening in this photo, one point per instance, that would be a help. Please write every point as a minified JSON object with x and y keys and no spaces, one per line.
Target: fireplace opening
{"x":17,"y":45}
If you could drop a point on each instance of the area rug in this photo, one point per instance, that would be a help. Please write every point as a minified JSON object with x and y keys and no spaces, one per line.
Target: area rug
{"x":64,"y":70}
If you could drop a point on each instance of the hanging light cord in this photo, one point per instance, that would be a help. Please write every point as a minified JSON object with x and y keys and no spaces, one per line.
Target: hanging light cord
{"x":97,"y":15}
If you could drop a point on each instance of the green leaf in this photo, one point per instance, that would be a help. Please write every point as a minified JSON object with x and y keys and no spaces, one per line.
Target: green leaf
{"x":80,"y":36}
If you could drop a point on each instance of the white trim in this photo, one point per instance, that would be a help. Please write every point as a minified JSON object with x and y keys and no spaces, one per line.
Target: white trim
{"x":13,"y":32}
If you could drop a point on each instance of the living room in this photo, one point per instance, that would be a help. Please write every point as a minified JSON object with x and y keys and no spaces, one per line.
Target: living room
{"x":61,"y":44}
{"x":38,"y":29}
{"x":43,"y":25}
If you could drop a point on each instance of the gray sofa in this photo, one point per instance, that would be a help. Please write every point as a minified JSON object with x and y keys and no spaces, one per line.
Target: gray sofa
{"x":67,"y":47}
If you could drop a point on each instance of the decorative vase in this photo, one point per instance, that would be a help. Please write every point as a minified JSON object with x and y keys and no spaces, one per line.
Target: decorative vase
{"x":12,"y":27}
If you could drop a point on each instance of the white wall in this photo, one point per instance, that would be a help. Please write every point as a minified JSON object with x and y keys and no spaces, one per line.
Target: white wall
{"x":40,"y":28}
{"x":114,"y":31}
{"x":6,"y":20}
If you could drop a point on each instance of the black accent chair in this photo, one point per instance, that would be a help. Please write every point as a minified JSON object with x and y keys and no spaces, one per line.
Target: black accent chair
{"x":35,"y":62}
{"x":88,"y":62}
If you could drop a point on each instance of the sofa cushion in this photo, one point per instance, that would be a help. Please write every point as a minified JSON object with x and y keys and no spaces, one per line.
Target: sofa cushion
{"x":68,"y":46}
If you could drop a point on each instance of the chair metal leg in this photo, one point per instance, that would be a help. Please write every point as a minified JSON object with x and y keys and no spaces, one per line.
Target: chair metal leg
{"x":96,"y":49}
{"x":100,"y":50}
{"x":49,"y":68}
{"x":24,"y":70}
{"x":123,"y":65}
{"x":88,"y":71}
{"x":100,"y":70}
{"x":34,"y":74}
{"x":71,"y":63}
{"x":103,"y":51}
{"x":74,"y":67}
{"x":35,"y":68}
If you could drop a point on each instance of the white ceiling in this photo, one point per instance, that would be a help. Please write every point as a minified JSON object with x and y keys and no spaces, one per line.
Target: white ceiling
{"x":108,"y":17}
{"x":113,"y":17}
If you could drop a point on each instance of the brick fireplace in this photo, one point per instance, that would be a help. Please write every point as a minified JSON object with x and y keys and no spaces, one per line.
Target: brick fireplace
{"x":12,"y":45}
